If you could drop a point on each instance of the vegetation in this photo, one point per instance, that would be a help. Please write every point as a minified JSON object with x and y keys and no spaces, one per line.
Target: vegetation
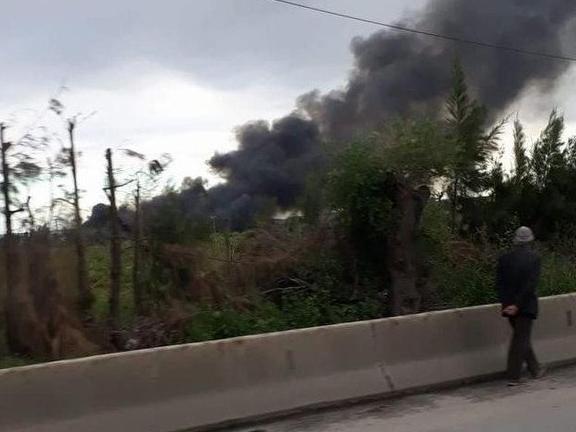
{"x":406,"y":218}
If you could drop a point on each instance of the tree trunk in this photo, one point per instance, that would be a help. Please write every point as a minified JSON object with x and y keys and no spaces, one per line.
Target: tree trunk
{"x":454,"y":205}
{"x":137,"y":246}
{"x":11,"y":267}
{"x":31,"y":218}
{"x":85,"y":297}
{"x":25,"y":332}
{"x":6,"y":184}
{"x":403,"y":266}
{"x":115,"y":247}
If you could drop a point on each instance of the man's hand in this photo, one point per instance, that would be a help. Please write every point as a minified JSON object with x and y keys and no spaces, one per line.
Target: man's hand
{"x":511,"y":310}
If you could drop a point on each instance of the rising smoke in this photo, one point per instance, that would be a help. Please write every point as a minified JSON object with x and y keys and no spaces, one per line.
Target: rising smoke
{"x":397,"y":73}
{"x":394,"y":73}
{"x":267,"y":172}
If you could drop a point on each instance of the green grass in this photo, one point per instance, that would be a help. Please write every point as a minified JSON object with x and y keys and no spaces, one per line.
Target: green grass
{"x":558,"y":275}
{"x":99,"y":277}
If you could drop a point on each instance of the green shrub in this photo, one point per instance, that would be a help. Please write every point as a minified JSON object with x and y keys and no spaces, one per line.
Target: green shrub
{"x":295,"y":311}
{"x":467,"y":278}
{"x":558,"y":275}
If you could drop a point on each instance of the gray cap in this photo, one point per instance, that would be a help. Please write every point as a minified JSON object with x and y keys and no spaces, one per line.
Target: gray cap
{"x":523,"y":235}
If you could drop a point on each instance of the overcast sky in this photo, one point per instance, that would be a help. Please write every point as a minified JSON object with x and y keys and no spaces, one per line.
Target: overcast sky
{"x":177,"y":76}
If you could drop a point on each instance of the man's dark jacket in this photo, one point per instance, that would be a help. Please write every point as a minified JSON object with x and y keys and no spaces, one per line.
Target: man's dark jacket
{"x":517,"y":279}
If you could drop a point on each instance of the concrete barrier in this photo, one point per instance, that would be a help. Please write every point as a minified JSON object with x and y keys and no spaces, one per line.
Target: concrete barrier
{"x":199,"y":385}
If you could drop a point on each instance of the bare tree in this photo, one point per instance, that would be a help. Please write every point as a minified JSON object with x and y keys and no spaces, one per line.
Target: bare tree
{"x":145,"y":175}
{"x":137,"y":283}
{"x":86,"y":298}
{"x":6,"y":182}
{"x":146,"y":180}
{"x":115,"y":245}
{"x":18,"y":166}
{"x":10,"y":255}
{"x":69,"y":158}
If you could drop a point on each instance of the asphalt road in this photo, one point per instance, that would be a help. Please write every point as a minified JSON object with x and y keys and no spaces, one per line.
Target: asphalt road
{"x":546,"y":405}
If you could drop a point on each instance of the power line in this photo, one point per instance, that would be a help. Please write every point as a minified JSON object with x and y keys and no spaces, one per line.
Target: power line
{"x":426,"y":33}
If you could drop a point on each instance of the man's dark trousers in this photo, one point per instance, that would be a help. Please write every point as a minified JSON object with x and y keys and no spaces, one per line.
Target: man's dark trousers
{"x":521,"y":351}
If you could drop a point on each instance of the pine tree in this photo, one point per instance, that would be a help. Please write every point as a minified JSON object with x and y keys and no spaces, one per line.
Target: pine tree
{"x":548,"y":153}
{"x":520,"y":159}
{"x":473,"y":142}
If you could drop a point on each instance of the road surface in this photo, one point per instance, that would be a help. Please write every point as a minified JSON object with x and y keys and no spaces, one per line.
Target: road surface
{"x":546,"y":405}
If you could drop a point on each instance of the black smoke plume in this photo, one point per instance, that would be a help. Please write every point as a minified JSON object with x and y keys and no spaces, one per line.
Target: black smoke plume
{"x":266,"y":173}
{"x":271,"y":162}
{"x":394,"y":73}
{"x":397,"y":73}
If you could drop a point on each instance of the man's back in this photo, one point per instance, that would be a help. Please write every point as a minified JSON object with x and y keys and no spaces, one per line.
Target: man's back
{"x":517,"y":280}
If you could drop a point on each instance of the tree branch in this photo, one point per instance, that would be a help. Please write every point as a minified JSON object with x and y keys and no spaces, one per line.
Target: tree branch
{"x":20,"y":210}
{"x":107,"y":188}
{"x":64,"y":200}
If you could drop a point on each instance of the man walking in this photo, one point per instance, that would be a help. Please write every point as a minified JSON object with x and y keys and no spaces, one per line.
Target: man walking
{"x":516,"y":281}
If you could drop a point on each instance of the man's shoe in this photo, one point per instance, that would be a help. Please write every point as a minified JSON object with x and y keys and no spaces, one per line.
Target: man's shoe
{"x":541,"y":372}
{"x":514,"y":383}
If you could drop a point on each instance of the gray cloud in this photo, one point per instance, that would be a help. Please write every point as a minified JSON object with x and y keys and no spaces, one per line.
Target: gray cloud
{"x":224,"y":43}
